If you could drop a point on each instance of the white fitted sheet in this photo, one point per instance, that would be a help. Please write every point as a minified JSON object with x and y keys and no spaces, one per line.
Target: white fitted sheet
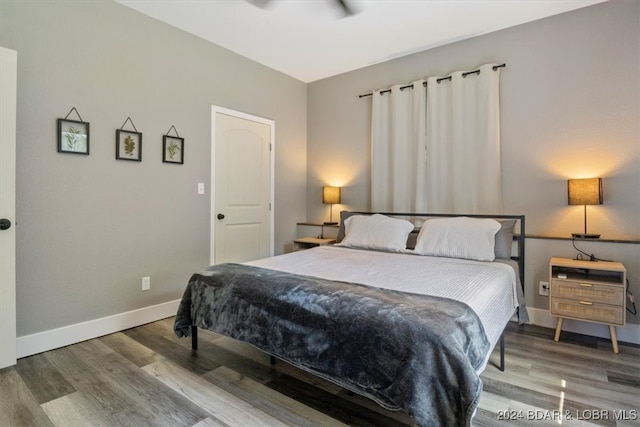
{"x":489,"y":288}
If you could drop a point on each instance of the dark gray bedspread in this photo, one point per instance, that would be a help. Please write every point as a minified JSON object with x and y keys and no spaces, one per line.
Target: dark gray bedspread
{"x":405,"y":351}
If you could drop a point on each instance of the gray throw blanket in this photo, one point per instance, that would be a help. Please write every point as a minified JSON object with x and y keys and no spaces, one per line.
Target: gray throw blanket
{"x":405,"y":351}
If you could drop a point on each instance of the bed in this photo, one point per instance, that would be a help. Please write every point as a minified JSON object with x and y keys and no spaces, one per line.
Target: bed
{"x":405,"y":309}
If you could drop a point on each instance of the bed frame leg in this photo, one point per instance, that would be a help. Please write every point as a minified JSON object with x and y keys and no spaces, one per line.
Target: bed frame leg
{"x":501,"y":367}
{"x":194,"y":337}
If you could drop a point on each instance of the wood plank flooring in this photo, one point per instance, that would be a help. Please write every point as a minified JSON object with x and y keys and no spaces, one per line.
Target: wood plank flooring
{"x":146,"y":376}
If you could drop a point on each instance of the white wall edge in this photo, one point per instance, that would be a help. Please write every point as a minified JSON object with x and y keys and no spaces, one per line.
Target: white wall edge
{"x":629,"y":333}
{"x":55,"y":338}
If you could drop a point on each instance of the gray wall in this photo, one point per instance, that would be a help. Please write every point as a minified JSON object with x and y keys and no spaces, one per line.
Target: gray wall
{"x":570,"y":98}
{"x":90,"y":227}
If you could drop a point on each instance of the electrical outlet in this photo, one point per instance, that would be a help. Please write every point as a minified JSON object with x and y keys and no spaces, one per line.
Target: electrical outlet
{"x":543,"y":289}
{"x":146,"y":283}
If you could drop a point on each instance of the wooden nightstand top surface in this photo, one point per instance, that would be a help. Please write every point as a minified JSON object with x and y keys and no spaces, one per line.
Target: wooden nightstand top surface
{"x":314,"y":240}
{"x":586,"y":264}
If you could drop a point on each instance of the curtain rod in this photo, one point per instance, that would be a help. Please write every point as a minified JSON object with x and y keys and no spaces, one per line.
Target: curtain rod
{"x":465,"y":74}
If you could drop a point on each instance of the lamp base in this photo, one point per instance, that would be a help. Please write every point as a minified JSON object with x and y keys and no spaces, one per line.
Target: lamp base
{"x":585,"y":236}
{"x":330,"y":223}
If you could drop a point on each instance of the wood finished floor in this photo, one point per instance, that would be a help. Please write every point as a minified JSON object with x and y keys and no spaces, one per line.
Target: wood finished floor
{"x":146,"y":376}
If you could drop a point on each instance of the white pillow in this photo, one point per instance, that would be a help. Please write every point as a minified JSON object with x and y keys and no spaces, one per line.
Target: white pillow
{"x":376,"y":232}
{"x":459,"y":237}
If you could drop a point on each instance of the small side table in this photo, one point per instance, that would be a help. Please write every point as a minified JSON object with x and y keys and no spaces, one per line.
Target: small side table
{"x":310,"y":242}
{"x":592,"y":291}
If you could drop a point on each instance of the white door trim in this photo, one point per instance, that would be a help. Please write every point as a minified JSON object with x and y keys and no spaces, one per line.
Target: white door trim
{"x":215,"y":109}
{"x":8,"y":83}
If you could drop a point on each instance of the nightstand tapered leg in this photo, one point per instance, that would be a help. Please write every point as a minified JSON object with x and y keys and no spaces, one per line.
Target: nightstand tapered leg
{"x":556,"y":338}
{"x":614,"y":338}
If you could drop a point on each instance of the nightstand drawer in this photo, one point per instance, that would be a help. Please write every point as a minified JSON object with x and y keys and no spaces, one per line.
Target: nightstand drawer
{"x":593,"y":311}
{"x":585,"y":291}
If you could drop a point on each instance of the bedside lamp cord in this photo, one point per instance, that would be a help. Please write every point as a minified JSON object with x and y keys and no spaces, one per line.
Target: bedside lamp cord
{"x":591,"y":256}
{"x":633,"y":303}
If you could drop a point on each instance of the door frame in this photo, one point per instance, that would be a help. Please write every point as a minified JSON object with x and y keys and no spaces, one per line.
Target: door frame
{"x":8,"y":110}
{"x":215,"y":109}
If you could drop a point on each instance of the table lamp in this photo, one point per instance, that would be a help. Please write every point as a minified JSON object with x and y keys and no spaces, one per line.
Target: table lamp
{"x":585,"y":192}
{"x":330,"y":196}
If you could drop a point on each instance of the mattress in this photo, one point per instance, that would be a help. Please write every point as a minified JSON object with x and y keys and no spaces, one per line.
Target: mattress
{"x":490,"y":289}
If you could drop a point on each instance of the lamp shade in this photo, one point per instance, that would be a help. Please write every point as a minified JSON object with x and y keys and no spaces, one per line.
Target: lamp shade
{"x":585,"y":191}
{"x":330,"y":195}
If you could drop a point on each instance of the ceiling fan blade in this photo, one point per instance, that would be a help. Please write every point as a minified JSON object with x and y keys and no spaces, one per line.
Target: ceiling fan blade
{"x":259,"y":3}
{"x":342,"y":4}
{"x":345,"y":7}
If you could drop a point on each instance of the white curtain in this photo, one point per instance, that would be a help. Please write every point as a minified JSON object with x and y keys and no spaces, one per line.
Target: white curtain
{"x":398,"y":161}
{"x":438,"y":150}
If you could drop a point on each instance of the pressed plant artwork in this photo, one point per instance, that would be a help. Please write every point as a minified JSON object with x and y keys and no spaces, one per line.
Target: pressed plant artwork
{"x":172,"y":149}
{"x":128,"y":145}
{"x":73,"y":136}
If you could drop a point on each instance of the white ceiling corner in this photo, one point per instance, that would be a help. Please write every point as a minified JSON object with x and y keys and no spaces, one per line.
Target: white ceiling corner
{"x":311,"y":39}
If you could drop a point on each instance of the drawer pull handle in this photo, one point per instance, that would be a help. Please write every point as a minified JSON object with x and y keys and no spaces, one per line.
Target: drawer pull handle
{"x":586,"y":303}
{"x":586,"y":285}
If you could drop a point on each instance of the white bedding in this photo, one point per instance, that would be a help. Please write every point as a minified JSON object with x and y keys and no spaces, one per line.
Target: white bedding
{"x":489,"y":288}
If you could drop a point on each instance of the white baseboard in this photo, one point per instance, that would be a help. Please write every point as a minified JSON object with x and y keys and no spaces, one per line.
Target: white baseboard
{"x":55,"y":338}
{"x":629,"y":333}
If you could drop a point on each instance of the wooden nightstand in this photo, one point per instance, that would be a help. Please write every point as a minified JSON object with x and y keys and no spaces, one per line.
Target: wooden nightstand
{"x":592,"y":291}
{"x":310,"y":242}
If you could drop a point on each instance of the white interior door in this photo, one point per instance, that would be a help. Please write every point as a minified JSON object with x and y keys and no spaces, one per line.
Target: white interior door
{"x":242,"y":187}
{"x":8,"y":81}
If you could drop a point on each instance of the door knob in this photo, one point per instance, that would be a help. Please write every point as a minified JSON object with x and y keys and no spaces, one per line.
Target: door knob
{"x":220,"y":216}
{"x":5,"y":224}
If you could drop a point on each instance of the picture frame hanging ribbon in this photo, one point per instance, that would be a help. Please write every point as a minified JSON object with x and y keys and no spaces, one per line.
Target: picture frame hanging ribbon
{"x":130,"y":121}
{"x":174,"y":129}
{"x":71,"y":111}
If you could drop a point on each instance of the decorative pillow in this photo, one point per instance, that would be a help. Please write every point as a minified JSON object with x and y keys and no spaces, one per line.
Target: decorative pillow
{"x":376,"y":232}
{"x":504,"y":238}
{"x":459,"y":237}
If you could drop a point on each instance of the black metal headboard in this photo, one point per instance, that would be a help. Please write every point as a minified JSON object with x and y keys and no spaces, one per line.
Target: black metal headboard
{"x":518,"y":235}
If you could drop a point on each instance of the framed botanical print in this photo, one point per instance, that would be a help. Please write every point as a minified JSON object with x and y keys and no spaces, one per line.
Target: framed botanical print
{"x":128,"y":145}
{"x":73,"y":136}
{"x":172,"y":149}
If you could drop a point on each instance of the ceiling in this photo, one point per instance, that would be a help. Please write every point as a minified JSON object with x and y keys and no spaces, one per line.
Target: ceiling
{"x":313,"y":39}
